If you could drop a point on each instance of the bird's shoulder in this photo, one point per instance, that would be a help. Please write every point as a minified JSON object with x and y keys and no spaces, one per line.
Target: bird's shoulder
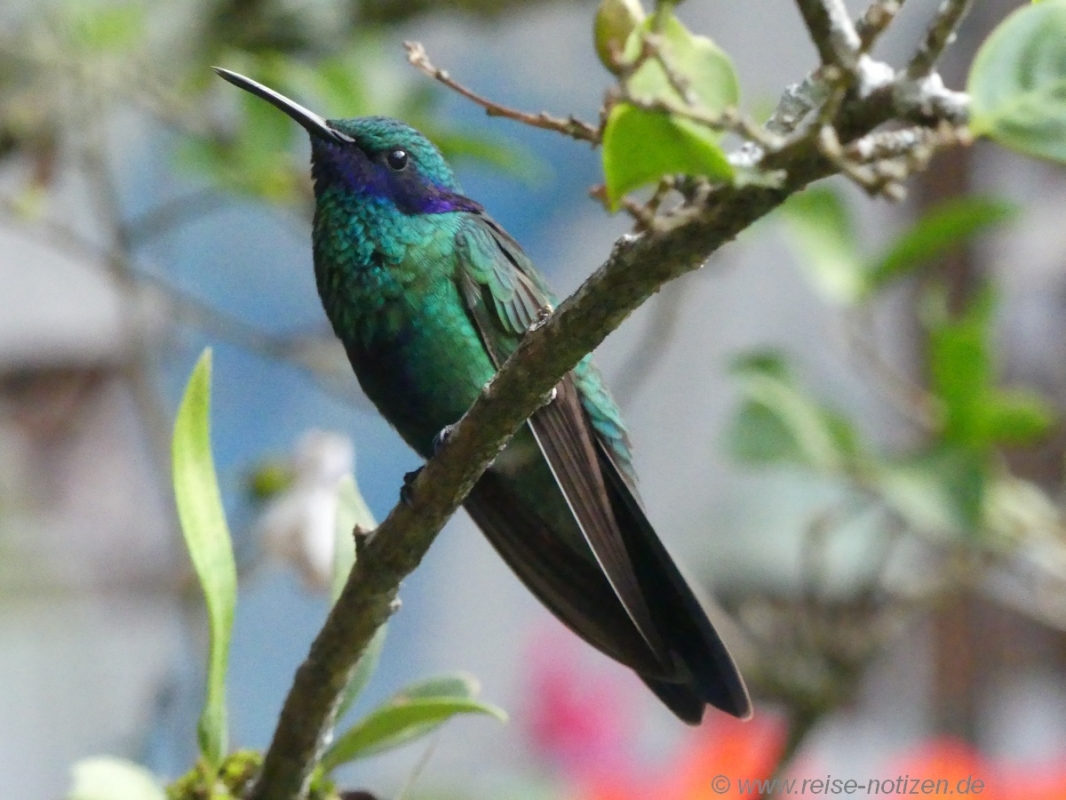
{"x":506,"y":295}
{"x":493,"y":268}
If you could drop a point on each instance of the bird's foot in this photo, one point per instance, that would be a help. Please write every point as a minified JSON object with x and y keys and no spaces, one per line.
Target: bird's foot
{"x":408,"y":485}
{"x":442,"y":436}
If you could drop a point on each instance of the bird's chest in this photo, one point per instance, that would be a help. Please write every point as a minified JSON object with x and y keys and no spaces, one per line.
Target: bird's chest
{"x":397,"y":308}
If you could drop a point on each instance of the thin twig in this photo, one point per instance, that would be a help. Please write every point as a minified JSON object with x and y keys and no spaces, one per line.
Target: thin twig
{"x":571,"y":127}
{"x":877,"y":17}
{"x":645,"y":358}
{"x":832,"y":31}
{"x":301,"y":351}
{"x":138,"y":367}
{"x":730,"y":120}
{"x":938,"y":36}
{"x":907,"y":397}
{"x":866,"y":176}
{"x":173,"y":213}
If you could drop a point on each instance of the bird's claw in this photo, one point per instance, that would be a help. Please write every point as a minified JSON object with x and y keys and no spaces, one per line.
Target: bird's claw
{"x":442,"y":436}
{"x":408,"y":485}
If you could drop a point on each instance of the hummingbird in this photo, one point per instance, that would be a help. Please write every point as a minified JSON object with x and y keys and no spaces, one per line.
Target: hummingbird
{"x":429,"y":296}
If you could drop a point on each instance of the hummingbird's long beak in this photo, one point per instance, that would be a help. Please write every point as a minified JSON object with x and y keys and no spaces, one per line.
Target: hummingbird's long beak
{"x":315,"y":125}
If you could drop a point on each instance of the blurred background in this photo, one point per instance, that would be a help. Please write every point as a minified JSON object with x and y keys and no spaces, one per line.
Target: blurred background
{"x":879,"y":519}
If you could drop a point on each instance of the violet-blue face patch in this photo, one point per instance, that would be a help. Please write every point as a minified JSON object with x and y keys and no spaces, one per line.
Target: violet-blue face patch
{"x":349,"y":166}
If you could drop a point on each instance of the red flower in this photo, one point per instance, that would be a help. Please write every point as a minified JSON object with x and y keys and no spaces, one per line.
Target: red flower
{"x":579,"y":718}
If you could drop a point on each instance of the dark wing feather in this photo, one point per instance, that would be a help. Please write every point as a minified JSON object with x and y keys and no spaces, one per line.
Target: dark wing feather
{"x":572,"y":588}
{"x":676,"y":612}
{"x":637,"y":607}
{"x":492,"y":281}
{"x":563,"y":434}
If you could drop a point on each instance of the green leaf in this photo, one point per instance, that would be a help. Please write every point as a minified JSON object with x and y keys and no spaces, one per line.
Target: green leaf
{"x":502,"y":154}
{"x":941,"y":490}
{"x":458,"y":685}
{"x":409,"y":714}
{"x":109,"y":778}
{"x":640,"y":147}
{"x":757,"y":435}
{"x":822,"y":232}
{"x":256,"y":160}
{"x":363,"y":671}
{"x":352,"y":510}
{"x":779,"y":423}
{"x":1018,"y":417}
{"x":106,"y":27}
{"x":704,"y":67}
{"x":1017,"y":83}
{"x":947,"y":226}
{"x":977,"y":413}
{"x":203,"y":523}
{"x":961,"y":369}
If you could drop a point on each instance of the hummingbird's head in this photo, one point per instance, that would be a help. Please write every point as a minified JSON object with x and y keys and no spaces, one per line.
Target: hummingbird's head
{"x":371,"y":157}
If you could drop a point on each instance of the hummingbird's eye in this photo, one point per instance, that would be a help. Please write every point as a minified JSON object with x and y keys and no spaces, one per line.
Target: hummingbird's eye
{"x":397,"y":159}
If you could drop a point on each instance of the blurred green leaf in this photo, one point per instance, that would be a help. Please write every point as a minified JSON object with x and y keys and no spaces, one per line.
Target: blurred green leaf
{"x":364,"y":670}
{"x":779,"y":423}
{"x":1017,"y":83}
{"x":640,"y":147}
{"x":977,"y":413}
{"x":495,"y":151}
{"x":109,"y":778}
{"x":937,"y":232}
{"x":448,"y":684}
{"x":256,"y":157}
{"x":1018,"y":417}
{"x":960,"y":368}
{"x":256,"y":160}
{"x":352,"y":510}
{"x":268,"y":479}
{"x":409,"y":714}
{"x":939,"y":490}
{"x":822,"y":232}
{"x":105,"y":27}
{"x":757,"y":435}
{"x":337,"y":83}
{"x":203,"y":523}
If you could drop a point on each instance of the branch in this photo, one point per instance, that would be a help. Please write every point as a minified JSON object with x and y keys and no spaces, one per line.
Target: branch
{"x":310,"y":353}
{"x":877,"y":17}
{"x":939,"y":35}
{"x":641,"y":362}
{"x":831,"y":31}
{"x":572,"y":127}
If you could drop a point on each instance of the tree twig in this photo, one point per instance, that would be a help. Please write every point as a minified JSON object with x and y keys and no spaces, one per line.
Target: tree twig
{"x":937,"y":37}
{"x":877,"y":17}
{"x":730,"y":120}
{"x":640,"y":364}
{"x":571,"y":126}
{"x":299,"y":350}
{"x":832,"y":31}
